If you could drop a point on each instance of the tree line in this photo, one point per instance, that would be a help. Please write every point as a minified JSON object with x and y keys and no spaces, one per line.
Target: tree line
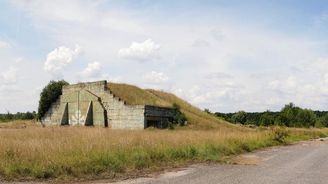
{"x":49,"y":94}
{"x":290,"y":116}
{"x":18,"y":116}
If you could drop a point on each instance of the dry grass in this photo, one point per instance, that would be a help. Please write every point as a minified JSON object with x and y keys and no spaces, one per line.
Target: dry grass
{"x":81,"y":152}
{"x":134,"y":95}
{"x":29,"y":151}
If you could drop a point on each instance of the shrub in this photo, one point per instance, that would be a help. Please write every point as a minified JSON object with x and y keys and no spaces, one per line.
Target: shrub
{"x":179,"y":117}
{"x":280,"y":134}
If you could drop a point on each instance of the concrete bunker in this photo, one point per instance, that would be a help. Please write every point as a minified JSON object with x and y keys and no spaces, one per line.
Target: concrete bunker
{"x":158,"y":117}
{"x":94,"y":104}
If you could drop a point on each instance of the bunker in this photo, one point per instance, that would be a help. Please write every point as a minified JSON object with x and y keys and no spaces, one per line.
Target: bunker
{"x":94,"y":104}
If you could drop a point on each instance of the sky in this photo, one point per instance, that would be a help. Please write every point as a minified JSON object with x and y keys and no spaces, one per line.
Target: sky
{"x":222,"y":55}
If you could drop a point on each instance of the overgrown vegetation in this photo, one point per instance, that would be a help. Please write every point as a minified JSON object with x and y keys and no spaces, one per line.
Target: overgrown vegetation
{"x":50,"y":94}
{"x":85,"y":153}
{"x":290,"y":116}
{"x":179,"y":118}
{"x":197,"y":119}
{"x":280,"y":134}
{"x":134,"y":95}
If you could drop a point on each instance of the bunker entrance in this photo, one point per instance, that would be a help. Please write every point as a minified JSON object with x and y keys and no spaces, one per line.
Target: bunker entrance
{"x":157,"y":122}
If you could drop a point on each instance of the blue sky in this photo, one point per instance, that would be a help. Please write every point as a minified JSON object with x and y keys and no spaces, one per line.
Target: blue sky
{"x":222,"y":55}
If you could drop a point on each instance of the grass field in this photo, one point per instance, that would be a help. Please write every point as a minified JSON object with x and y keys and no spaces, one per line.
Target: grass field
{"x":32,"y":152}
{"x":29,"y":151}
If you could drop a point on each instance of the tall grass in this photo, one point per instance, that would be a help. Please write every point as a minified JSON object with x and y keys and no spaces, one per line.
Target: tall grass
{"x":80,"y":152}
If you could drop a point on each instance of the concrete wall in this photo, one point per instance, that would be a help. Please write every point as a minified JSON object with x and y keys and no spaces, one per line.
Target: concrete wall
{"x":78,"y":103}
{"x":120,"y":115}
{"x":106,"y":107}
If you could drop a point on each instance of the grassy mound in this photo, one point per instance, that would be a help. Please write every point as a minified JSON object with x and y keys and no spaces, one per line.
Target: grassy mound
{"x":134,"y":95}
{"x":197,"y":119}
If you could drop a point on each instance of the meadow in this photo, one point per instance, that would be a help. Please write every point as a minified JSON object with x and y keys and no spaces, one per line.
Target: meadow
{"x":29,"y":151}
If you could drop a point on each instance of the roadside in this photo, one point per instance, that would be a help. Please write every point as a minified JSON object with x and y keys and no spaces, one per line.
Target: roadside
{"x":304,"y":162}
{"x":146,"y":153}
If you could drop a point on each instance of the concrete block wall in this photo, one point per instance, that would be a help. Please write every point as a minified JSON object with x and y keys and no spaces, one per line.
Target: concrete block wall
{"x":122,"y":116}
{"x":119,"y":114}
{"x":54,"y":114}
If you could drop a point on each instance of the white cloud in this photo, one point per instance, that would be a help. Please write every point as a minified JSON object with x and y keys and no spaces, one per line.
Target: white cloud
{"x":92,"y":70}
{"x":9,"y":76}
{"x":155,"y":77}
{"x":326,"y":78}
{"x":274,"y":84}
{"x":201,"y":43}
{"x":59,"y":58}
{"x":144,"y":51}
{"x":4,"y":45}
{"x":225,"y":53}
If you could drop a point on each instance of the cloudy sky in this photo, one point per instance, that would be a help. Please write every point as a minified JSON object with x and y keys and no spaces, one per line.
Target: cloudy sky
{"x":223,"y":55}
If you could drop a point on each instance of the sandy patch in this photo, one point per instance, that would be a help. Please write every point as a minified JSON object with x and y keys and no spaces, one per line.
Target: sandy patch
{"x":249,"y":159}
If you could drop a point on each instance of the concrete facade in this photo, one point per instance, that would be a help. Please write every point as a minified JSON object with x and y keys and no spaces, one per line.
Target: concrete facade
{"x":93,"y":104}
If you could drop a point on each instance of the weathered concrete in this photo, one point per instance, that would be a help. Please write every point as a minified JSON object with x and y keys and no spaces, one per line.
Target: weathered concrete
{"x":94,"y":104}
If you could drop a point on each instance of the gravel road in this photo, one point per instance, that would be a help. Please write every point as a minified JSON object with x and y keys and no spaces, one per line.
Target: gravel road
{"x":303,"y":163}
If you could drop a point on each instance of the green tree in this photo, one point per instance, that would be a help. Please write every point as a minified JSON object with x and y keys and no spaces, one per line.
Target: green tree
{"x":49,"y":94}
{"x":207,"y":111}
{"x":289,"y":114}
{"x":239,"y":117}
{"x":293,"y":116}
{"x":322,"y":121}
{"x":305,"y":118}
{"x":266,"y":119}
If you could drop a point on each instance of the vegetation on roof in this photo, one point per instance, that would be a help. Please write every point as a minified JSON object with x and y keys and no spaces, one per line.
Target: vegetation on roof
{"x":134,"y":95}
{"x":196,"y":118}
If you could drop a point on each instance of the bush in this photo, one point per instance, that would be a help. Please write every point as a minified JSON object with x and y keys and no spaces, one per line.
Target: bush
{"x":280,"y":134}
{"x":179,"y":117}
{"x":49,"y":94}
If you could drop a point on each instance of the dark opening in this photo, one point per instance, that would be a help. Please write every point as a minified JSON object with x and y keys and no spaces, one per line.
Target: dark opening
{"x":157,"y":123}
{"x":106,"y":118}
{"x":65,"y":118}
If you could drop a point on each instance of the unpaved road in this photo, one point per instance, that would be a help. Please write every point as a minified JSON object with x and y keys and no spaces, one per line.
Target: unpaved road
{"x":303,"y":163}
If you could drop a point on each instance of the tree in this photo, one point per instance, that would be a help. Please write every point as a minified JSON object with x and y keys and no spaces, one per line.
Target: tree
{"x":49,"y":94}
{"x":239,"y":117}
{"x":289,"y":114}
{"x":322,"y":121}
{"x":207,"y":111}
{"x":294,"y":116}
{"x":305,"y":118}
{"x":266,"y":119}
